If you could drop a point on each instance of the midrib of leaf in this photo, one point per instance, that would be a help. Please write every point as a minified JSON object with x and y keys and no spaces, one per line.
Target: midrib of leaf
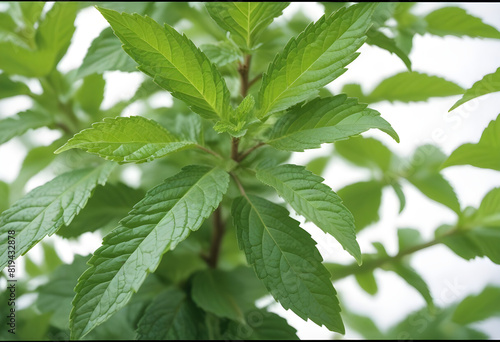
{"x":309,"y":67}
{"x":179,"y":70}
{"x":277,"y":245}
{"x":134,"y":253}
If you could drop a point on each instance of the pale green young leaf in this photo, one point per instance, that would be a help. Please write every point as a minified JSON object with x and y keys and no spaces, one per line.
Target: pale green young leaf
{"x":156,"y":224}
{"x":105,"y":54}
{"x":488,"y":84}
{"x":226,"y":293}
{"x":456,"y":21}
{"x":47,"y":208}
{"x":400,"y":194}
{"x":31,"y":11}
{"x":260,"y":325}
{"x":488,"y":213}
{"x":221,"y":54}
{"x":91,"y":93}
{"x":174,"y":62}
{"x":20,"y":123}
{"x":363,"y":201}
{"x":245,"y":20}
{"x":318,"y":165}
{"x":236,"y":126}
{"x":377,"y":38}
{"x":285,"y":258}
{"x":475,"y":308}
{"x":365,"y":152}
{"x":132,"y":139}
{"x":367,"y":282}
{"x":316,"y":201}
{"x":4,"y":196}
{"x":9,"y":88}
{"x":412,"y":86}
{"x":484,"y":154}
{"x":408,"y":238}
{"x":108,"y":205}
{"x":325,"y":120}
{"x":172,"y":315}
{"x":313,"y":59}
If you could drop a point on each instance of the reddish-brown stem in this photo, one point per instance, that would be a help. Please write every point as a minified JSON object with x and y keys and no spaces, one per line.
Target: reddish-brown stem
{"x":243,"y":155}
{"x":244,"y":69}
{"x":217,"y":234}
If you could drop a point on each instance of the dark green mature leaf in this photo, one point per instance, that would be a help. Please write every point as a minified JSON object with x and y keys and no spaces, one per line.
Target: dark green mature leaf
{"x":313,"y":59}
{"x":226,"y":294}
{"x":105,"y":54}
{"x":260,"y":325}
{"x":316,"y":201}
{"x":132,"y":139}
{"x":9,"y":88}
{"x":363,"y":201}
{"x":424,"y":175}
{"x":165,"y":217}
{"x":456,"y":21}
{"x":47,"y":208}
{"x":484,"y":154}
{"x":366,"y":152}
{"x":171,"y":316}
{"x":105,"y":209}
{"x":245,"y":20}
{"x":325,"y":120}
{"x":50,"y":43}
{"x":412,"y":86}
{"x":379,"y":39}
{"x":478,"y":307}
{"x":286,"y":260}
{"x":20,"y":123}
{"x":488,"y":84}
{"x":174,"y":62}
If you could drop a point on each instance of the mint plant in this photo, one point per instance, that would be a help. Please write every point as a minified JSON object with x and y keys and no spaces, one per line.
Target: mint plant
{"x":209,"y":231}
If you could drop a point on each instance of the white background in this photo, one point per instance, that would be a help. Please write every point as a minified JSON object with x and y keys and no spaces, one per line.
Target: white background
{"x":461,"y":60}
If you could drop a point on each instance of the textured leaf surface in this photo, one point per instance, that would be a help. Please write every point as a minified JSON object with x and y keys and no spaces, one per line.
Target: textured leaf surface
{"x":20,"y":123}
{"x":171,"y":316}
{"x":363,"y":201}
{"x":174,"y":62}
{"x":221,"y":54}
{"x":105,"y":54}
{"x":412,"y":86}
{"x":488,"y":84}
{"x":313,"y":59}
{"x":478,"y":307}
{"x":325,"y":120}
{"x":316,"y":201}
{"x":245,"y":20}
{"x":285,"y":258}
{"x":47,"y":208}
{"x":484,"y":154}
{"x":456,"y":21}
{"x":126,"y":139}
{"x":165,"y":217}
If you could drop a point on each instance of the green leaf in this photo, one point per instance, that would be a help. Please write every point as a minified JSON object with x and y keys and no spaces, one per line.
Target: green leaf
{"x":485,"y":154}
{"x":367,"y":282}
{"x":325,"y":120}
{"x":313,"y":59}
{"x":19,"y":123}
{"x":488,"y":240}
{"x":456,"y":21}
{"x":285,"y":258}
{"x":174,"y":62}
{"x":475,"y":308}
{"x":226,"y":294}
{"x":365,"y":152}
{"x":316,"y":201}
{"x":408,"y":238}
{"x":246,"y":21}
{"x":414,"y":280}
{"x":318,"y":165}
{"x":132,"y":139}
{"x":488,"y":213}
{"x":424,"y":175}
{"x":165,"y":217}
{"x":260,"y":325}
{"x":4,"y":196}
{"x":363,"y":201}
{"x":9,"y":88}
{"x":412,"y":86}
{"x":400,"y":194}
{"x":105,"y":54}
{"x":379,"y":39}
{"x":220,"y":54}
{"x":91,"y":94}
{"x":171,"y":316}
{"x":105,"y":209}
{"x":362,"y":324}
{"x":488,"y":84}
{"x":47,"y":208}
{"x":239,"y":121}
